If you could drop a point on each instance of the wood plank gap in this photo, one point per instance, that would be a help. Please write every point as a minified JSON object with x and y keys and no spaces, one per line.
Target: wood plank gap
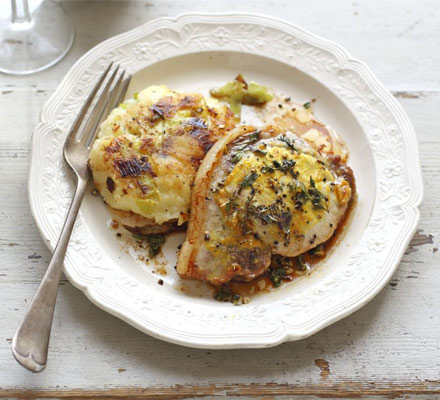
{"x":178,"y":392}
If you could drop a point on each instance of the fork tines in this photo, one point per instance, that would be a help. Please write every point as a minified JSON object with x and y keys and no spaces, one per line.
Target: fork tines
{"x":107,"y":93}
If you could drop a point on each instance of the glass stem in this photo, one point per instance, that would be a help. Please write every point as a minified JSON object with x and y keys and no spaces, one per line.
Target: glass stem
{"x":20,"y":11}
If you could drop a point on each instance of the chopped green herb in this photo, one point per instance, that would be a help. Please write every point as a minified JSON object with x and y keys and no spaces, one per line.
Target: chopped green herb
{"x":155,"y":243}
{"x":300,"y":265}
{"x":285,"y":166}
{"x":247,"y":140}
{"x":285,"y":221}
{"x":312,"y":194}
{"x":230,"y":206}
{"x":315,"y":196}
{"x":302,"y":196}
{"x":272,"y":214}
{"x":317,"y":203}
{"x":225,"y":294}
{"x":267,"y":168}
{"x":277,"y":275}
{"x":244,"y":145}
{"x":287,"y":141}
{"x":136,"y":95}
{"x":249,"y":180}
{"x":265,"y":213}
{"x":237,"y":157}
{"x":307,"y":104}
{"x":252,"y":137}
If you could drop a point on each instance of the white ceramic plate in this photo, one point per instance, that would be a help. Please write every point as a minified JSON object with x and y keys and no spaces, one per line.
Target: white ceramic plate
{"x":198,"y":51}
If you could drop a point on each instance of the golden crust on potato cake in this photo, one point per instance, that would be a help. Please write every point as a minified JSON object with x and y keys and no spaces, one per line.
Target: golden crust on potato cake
{"x":148,"y":151}
{"x":258,"y":192}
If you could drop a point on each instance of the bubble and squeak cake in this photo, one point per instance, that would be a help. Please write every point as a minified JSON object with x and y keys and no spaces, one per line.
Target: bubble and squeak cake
{"x":147,"y":154}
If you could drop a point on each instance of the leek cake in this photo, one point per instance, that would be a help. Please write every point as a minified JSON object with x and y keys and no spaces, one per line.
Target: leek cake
{"x":148,"y":151}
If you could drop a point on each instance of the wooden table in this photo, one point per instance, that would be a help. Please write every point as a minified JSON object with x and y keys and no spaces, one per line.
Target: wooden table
{"x":389,"y":348}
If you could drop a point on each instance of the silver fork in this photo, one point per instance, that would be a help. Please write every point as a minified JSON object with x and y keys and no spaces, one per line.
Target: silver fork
{"x":31,"y":341}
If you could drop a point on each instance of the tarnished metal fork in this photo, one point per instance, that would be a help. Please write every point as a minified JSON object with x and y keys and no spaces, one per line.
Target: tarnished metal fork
{"x":31,"y":341}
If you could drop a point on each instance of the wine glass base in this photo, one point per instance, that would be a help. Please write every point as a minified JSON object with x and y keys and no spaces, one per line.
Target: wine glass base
{"x":30,"y":47}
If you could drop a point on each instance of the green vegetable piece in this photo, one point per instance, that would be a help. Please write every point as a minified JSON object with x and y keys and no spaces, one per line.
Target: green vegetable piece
{"x":147,"y":205}
{"x":235,"y":105}
{"x":256,"y":94}
{"x":239,"y":92}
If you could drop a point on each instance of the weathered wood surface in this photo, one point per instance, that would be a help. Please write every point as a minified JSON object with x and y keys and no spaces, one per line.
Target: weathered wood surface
{"x":391,"y":347}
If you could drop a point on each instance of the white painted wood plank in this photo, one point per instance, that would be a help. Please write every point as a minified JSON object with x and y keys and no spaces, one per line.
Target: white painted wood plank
{"x":395,"y":338}
{"x":399,"y":40}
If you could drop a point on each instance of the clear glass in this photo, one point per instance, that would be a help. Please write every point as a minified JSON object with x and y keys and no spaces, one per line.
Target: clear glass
{"x":34,"y":37}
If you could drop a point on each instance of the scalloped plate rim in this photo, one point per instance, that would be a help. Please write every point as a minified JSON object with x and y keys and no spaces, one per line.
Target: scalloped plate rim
{"x":283,"y":334}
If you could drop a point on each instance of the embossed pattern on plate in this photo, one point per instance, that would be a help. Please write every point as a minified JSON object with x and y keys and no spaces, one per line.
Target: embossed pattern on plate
{"x":379,"y":135}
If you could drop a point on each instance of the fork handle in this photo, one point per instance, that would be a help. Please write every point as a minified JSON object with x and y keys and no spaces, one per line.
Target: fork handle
{"x":31,"y":341}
